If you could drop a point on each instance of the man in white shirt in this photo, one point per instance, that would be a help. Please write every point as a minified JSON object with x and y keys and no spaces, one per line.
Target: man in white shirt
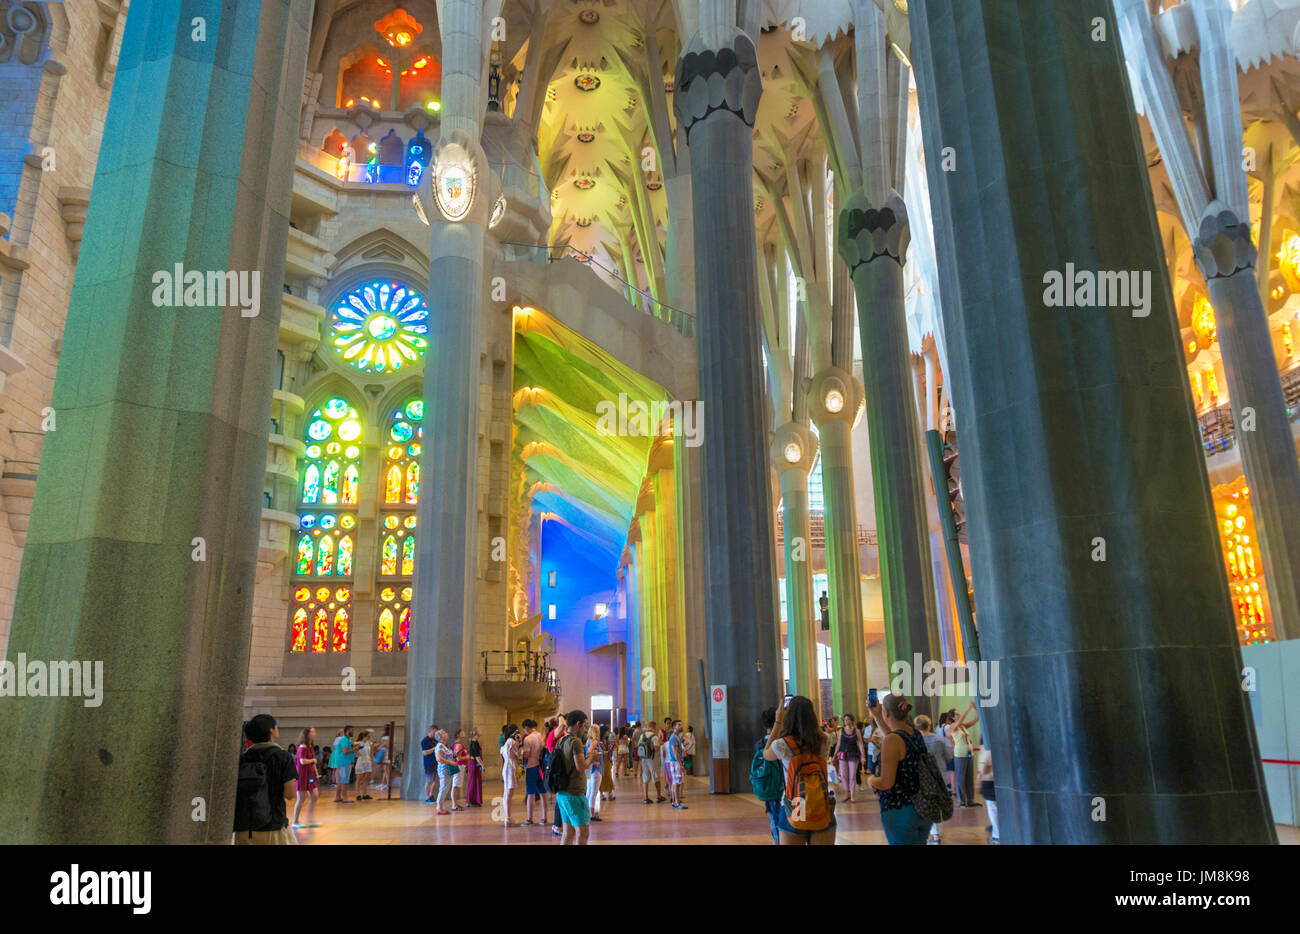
{"x":647,"y":749}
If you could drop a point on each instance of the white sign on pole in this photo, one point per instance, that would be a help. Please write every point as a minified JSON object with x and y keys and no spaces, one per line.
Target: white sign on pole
{"x":718,"y":721}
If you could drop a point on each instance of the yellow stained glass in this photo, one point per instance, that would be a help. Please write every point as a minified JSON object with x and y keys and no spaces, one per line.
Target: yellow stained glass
{"x":393,"y":485}
{"x":413,"y":484}
{"x":351,"y":480}
{"x":325,"y":556}
{"x":389,"y":561}
{"x":385,"y":639}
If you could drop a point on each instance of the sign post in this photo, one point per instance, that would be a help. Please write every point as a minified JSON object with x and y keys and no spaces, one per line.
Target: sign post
{"x":720,"y":743}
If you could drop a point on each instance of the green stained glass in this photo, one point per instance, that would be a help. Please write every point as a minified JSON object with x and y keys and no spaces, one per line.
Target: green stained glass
{"x":408,"y":556}
{"x":330,"y":491}
{"x":345,"y":556}
{"x":402,"y":431}
{"x":336,"y":408}
{"x":313,"y":451}
{"x":305,"y":550}
{"x":327,"y":520}
{"x":415,"y":410}
{"x":319,"y":430}
{"x":325,"y":556}
{"x":311,"y":484}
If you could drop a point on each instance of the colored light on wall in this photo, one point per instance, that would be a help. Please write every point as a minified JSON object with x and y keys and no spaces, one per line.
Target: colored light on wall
{"x":1203,"y":321}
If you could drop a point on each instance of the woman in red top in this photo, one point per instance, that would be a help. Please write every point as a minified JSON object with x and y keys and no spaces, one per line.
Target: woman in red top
{"x":307,"y":786}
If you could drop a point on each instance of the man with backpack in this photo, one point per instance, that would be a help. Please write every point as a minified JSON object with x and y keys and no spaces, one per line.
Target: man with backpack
{"x":267,"y":779}
{"x":567,"y":778}
{"x":647,"y":752}
{"x":765,"y":776}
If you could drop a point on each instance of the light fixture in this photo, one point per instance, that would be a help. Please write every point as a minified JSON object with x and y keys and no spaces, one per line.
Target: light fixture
{"x":793,"y":453}
{"x":834,"y":401}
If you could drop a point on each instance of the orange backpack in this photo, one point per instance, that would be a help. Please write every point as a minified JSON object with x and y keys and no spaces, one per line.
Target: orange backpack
{"x":807,"y":802}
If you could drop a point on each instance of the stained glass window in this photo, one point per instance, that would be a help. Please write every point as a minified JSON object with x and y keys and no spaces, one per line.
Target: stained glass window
{"x":394,"y":617}
{"x":380,"y":327}
{"x":321,"y":610}
{"x":320,"y":616}
{"x":400,"y":493}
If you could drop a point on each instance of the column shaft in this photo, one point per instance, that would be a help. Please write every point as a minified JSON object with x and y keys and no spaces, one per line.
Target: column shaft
{"x":844,"y":578}
{"x":1078,"y":435}
{"x":142,"y":549}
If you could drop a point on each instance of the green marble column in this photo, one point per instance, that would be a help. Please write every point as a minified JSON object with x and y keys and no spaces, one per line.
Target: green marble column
{"x":849,"y":681}
{"x":160,"y":439}
{"x":872,"y":239}
{"x":794,"y":448}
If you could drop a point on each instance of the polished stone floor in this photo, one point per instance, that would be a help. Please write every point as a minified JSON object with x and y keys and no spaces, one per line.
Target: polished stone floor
{"x":708,"y":819}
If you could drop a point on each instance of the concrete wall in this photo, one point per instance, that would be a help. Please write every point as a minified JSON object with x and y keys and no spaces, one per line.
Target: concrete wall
{"x":1275,"y":703}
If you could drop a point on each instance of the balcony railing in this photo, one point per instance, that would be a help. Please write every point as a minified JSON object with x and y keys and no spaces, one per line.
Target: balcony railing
{"x":817,"y":528}
{"x":1218,"y":429}
{"x":521,"y":667}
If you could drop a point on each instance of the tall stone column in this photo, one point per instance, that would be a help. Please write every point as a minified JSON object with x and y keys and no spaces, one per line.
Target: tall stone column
{"x":664,"y":480}
{"x":872,"y":241}
{"x":794,"y":448}
{"x":439,"y":667}
{"x":690,"y":581}
{"x":716,"y":100}
{"x":1209,"y":185}
{"x":1226,"y":257}
{"x":1077,"y":436}
{"x":833,"y":402}
{"x":142,"y":549}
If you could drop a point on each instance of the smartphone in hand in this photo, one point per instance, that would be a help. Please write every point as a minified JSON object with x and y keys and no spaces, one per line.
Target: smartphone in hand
{"x":871,"y":697}
{"x":786,"y":702}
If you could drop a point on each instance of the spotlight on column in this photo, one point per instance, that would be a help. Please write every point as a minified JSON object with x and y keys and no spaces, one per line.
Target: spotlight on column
{"x":792,"y":453}
{"x":834,"y":399}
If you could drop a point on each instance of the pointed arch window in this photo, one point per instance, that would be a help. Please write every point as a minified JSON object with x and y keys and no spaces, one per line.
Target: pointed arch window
{"x":398,"y":495}
{"x":320,"y":613}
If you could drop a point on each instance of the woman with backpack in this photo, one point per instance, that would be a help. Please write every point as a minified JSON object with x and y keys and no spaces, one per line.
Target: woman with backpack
{"x":901,"y":751}
{"x":807,"y":816}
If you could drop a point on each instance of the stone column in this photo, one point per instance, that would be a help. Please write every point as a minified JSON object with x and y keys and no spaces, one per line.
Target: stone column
{"x":663,"y":479}
{"x":717,"y":99}
{"x":1226,"y":257}
{"x":794,"y":448}
{"x":690,"y":582}
{"x":872,"y":241}
{"x":1209,"y":185}
{"x":1078,"y":435}
{"x":440,"y":674}
{"x":833,"y":402}
{"x":142,"y":549}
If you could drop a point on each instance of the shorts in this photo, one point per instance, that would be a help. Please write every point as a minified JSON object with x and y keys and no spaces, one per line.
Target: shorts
{"x":672,"y":772}
{"x":573,"y":809}
{"x":431,"y":775}
{"x":344,"y":773}
{"x":648,"y":771}
{"x":783,"y":825}
{"x":533,"y":783}
{"x":458,"y":779}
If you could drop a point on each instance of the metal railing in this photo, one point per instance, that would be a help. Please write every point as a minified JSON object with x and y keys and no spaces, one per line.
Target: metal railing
{"x":817,"y":530}
{"x":1218,"y":427}
{"x":521,"y":667}
{"x":683,"y":321}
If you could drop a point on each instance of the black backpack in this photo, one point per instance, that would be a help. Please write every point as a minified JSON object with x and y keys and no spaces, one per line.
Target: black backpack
{"x":252,"y":796}
{"x":557,"y":778}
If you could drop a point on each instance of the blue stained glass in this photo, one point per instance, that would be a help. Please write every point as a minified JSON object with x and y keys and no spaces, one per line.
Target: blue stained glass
{"x":327,"y":521}
{"x":307,"y":521}
{"x":402,"y":432}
